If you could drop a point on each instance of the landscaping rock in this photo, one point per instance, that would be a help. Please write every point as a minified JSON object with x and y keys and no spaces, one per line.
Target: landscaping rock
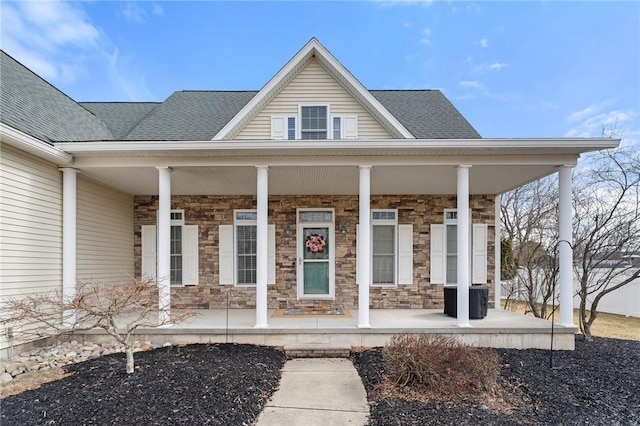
{"x":5,"y":378}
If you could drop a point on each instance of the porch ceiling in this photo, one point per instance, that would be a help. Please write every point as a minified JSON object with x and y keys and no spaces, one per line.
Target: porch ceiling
{"x":318,"y":180}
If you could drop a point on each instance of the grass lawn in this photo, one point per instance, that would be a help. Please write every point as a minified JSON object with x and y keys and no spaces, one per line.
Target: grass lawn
{"x":606,"y":325}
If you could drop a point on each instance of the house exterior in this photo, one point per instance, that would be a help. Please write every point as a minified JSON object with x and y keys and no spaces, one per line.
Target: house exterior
{"x":312,"y":191}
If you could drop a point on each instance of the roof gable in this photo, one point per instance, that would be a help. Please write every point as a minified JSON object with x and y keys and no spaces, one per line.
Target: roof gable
{"x":313,"y":85}
{"x":313,"y":50}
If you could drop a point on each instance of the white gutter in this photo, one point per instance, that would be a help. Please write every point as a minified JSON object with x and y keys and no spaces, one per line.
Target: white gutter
{"x":34,"y":146}
{"x":584,"y":144}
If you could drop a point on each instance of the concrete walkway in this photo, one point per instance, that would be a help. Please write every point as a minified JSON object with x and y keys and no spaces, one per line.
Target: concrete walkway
{"x":317,"y":391}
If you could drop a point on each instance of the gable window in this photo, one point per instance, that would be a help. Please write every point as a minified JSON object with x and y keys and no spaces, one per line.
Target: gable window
{"x":384,"y":246}
{"x":245,"y":245}
{"x":314,"y":122}
{"x":177,"y":222}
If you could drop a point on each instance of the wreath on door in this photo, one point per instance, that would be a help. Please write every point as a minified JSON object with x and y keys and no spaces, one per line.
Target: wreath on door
{"x":315,"y":243}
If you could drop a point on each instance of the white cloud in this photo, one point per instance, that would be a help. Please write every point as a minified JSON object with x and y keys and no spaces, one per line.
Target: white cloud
{"x":157,"y":10}
{"x":472,"y":84}
{"x":407,"y":25}
{"x":593,"y":119}
{"x":425,"y":39}
{"x":134,"y":12}
{"x":484,"y":67}
{"x":58,"y":41}
{"x":484,"y":42}
{"x":497,"y":66}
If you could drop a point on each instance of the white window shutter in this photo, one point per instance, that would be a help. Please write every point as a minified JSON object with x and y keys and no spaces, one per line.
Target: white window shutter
{"x":191,"y":255}
{"x":357,"y":260}
{"x":271,"y":254}
{"x":148,"y":243}
{"x":405,"y":254}
{"x":278,"y":127}
{"x":479,"y":261}
{"x":225,"y":254}
{"x":350,"y":127}
{"x":438,"y":258}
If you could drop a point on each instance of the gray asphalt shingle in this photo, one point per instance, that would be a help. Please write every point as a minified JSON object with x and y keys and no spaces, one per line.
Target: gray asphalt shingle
{"x":121,"y":117}
{"x":33,"y":106}
{"x":427,"y":114}
{"x":191,"y":115}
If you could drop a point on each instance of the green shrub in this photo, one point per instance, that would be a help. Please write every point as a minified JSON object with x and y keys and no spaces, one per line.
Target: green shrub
{"x":440,"y":364}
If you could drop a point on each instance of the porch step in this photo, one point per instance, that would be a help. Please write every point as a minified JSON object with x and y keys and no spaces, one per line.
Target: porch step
{"x":311,"y":350}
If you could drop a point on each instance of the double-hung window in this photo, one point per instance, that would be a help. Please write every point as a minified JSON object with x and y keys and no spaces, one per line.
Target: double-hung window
{"x":245,"y":231}
{"x":451,"y":231}
{"x":314,"y":122}
{"x":384,"y":226}
{"x":176,"y":242}
{"x":444,"y":250}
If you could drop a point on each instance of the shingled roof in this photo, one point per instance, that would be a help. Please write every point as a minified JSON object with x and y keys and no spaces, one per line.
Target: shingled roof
{"x":33,"y":106}
{"x":427,"y":114}
{"x":121,"y":117}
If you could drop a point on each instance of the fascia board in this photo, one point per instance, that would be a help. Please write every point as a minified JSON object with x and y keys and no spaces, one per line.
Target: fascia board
{"x":584,"y":145}
{"x":27,"y":143}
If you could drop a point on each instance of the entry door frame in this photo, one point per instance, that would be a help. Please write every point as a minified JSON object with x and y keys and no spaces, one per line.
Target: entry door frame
{"x":300,"y":243}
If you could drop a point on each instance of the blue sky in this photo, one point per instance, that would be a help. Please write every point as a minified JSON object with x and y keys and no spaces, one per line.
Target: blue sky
{"x":514,"y":69}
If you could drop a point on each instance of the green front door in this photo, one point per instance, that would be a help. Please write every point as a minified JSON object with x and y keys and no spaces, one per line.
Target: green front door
{"x":316,"y":260}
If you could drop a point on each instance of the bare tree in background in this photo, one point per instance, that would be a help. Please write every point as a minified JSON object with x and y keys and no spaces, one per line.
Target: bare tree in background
{"x":529,"y":222}
{"x":117,"y":308}
{"x":606,"y":229}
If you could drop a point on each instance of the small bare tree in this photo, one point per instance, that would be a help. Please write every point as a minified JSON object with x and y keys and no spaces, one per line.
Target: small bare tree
{"x":117,"y":308}
{"x":606,"y":229}
{"x":529,"y":222}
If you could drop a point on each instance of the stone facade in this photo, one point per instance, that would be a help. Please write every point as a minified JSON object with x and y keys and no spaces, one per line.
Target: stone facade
{"x":208,"y":212}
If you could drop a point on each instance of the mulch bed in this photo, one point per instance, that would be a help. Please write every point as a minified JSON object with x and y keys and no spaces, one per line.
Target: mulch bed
{"x":597,"y":384}
{"x":222,"y":384}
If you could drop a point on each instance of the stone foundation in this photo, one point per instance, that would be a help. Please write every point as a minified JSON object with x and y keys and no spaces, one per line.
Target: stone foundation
{"x":208,"y":212}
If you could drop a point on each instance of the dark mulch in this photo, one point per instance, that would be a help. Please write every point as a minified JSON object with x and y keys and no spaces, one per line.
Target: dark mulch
{"x":597,"y":384}
{"x":222,"y":384}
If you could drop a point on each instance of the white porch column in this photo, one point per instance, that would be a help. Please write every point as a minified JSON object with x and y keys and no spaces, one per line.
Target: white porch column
{"x":164,"y":245}
{"x":565,"y":246}
{"x":364,"y":242}
{"x":497,"y":252}
{"x":262,"y":246}
{"x":69,"y":209}
{"x":464,"y":249}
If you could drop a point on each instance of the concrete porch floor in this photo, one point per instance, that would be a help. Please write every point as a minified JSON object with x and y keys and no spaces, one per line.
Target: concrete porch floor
{"x":499,"y":329}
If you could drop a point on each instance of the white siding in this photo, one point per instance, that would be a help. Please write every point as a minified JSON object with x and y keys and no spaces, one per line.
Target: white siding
{"x":313,"y":84}
{"x":30,"y":224}
{"x":104,"y":233}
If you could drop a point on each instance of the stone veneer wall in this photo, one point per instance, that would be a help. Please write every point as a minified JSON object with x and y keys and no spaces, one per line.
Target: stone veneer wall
{"x":210,"y":211}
